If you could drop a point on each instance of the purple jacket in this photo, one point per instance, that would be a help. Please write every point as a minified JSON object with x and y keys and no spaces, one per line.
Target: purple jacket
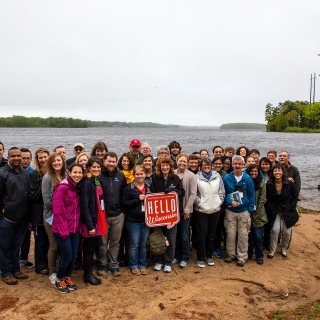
{"x":66,"y":209}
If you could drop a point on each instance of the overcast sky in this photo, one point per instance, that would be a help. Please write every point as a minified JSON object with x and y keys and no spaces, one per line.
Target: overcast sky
{"x":170,"y":61}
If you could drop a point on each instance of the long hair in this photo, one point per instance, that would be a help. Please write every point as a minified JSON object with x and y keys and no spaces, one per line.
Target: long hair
{"x":99,"y":145}
{"x":56,"y":178}
{"x":36,"y":164}
{"x":164,"y":159}
{"x":131,"y":161}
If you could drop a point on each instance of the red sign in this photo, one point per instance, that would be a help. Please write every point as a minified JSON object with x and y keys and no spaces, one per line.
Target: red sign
{"x":162,"y":209}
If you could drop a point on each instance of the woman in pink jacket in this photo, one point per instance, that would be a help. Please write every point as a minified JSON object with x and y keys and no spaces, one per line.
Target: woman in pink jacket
{"x":65,"y":226}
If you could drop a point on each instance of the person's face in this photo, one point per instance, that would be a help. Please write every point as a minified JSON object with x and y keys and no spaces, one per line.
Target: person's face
{"x":283,"y":158}
{"x":77,"y":150}
{"x":182,"y":163}
{"x":206,"y":167}
{"x":139,"y":176}
{"x":14,"y":158}
{"x":1,"y":150}
{"x":26,"y":159}
{"x":226,"y":165}
{"x":43,"y":159}
{"x":63,"y":152}
{"x":237,"y":166}
{"x":250,"y":160}
{"x":217,"y":152}
{"x":265,"y":166}
{"x":145,"y":149}
{"x":125,"y":163}
{"x":110,"y":163}
{"x":193,"y":164}
{"x":217,"y":165}
{"x":254,"y":173}
{"x":255,"y":156}
{"x":95,"y":169}
{"x":100,"y":153}
{"x":135,"y":150}
{"x":162,"y":153}
{"x":278,"y":173}
{"x":147,"y":163}
{"x":76,"y":174}
{"x":204,"y":154}
{"x":175,"y":151}
{"x":57,"y":163}
{"x":229,"y":153}
{"x":243,"y":152}
{"x":272,"y":157}
{"x":83,"y":161}
{"x":165,"y":169}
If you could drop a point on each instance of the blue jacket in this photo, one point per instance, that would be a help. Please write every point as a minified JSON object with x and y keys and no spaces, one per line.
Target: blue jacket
{"x":246,"y":186}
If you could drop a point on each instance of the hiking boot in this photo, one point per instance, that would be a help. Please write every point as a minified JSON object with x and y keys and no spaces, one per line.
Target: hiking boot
{"x":229,"y":259}
{"x":90,"y":278}
{"x":136,"y":272}
{"x":70,"y":285}
{"x":144,"y":271}
{"x":26,"y":264}
{"x":62,"y":286}
{"x":10,"y":280}
{"x":115,"y":271}
{"x":20,"y":275}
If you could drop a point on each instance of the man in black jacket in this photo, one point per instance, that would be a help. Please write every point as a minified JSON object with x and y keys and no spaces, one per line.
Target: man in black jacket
{"x":14,"y":192}
{"x":113,"y":183}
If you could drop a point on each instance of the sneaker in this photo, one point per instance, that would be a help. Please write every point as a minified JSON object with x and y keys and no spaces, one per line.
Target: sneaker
{"x":10,"y":280}
{"x":116,"y":272}
{"x":167,"y":269}
{"x":157,"y":267}
{"x":44,"y":271}
{"x":26,"y":264}
{"x":175,"y":261}
{"x":20,"y":275}
{"x":218,"y":253}
{"x":53,"y":278}
{"x":71,"y":286}
{"x":144,"y":271}
{"x":210,"y":262}
{"x":183,"y":264}
{"x":136,"y":272}
{"x":102,"y":269}
{"x":229,"y":259}
{"x":62,"y":286}
{"x":240,"y":263}
{"x":200,"y":264}
{"x":259,"y":261}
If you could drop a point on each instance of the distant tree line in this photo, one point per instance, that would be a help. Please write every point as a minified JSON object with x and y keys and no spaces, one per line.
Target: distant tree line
{"x":60,"y":122}
{"x":293,"y":116}
{"x":251,"y":126}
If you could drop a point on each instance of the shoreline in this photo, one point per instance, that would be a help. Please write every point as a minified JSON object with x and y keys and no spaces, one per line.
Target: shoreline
{"x":307,"y":211}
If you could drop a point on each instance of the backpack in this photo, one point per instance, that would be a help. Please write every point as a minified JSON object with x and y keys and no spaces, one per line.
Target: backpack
{"x":157,"y":242}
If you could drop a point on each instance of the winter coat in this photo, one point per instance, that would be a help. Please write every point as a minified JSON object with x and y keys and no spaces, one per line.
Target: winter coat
{"x":259,"y":217}
{"x":36,"y":200}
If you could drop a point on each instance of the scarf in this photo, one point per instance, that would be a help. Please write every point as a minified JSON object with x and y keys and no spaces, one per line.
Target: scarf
{"x":207,"y":175}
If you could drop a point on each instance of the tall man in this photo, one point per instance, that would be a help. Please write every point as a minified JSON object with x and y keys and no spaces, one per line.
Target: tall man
{"x":14,"y":192}
{"x":135,"y":151}
{"x":113,"y":184}
{"x":239,"y":207}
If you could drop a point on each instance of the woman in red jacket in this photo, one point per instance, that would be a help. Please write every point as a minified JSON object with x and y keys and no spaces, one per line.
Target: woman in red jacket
{"x":65,"y":226}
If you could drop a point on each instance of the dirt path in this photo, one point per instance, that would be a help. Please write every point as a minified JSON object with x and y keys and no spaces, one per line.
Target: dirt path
{"x":220,"y":292}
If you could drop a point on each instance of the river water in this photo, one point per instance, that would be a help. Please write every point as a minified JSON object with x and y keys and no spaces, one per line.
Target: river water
{"x":303,"y":147}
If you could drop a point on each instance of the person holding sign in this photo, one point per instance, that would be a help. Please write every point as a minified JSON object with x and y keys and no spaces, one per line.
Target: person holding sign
{"x":138,"y":232}
{"x":207,"y":209}
{"x":165,"y":181}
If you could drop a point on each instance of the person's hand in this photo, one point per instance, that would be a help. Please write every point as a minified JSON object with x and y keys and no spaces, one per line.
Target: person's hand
{"x":92,"y":232}
{"x":235,"y":204}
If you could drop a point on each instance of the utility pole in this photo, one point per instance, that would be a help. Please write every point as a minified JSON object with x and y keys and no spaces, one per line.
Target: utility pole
{"x":311,"y":88}
{"x":314,"y":86}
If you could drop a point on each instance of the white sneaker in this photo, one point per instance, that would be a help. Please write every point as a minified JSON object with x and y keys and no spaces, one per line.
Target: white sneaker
{"x":210,"y":262}
{"x":200,"y":264}
{"x":167,"y":269}
{"x":157,"y":267}
{"x":53,"y":278}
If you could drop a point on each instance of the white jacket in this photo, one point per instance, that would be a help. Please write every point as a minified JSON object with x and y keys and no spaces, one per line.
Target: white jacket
{"x":210,"y":194}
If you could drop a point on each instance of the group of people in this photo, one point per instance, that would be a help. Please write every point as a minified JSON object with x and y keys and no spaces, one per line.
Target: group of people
{"x":91,"y":206}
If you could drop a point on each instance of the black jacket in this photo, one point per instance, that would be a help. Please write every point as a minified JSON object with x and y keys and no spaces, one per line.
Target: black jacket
{"x":285,"y":203}
{"x":174,"y":183}
{"x":14,"y":194}
{"x":36,"y":201}
{"x":133,"y":204}
{"x":113,"y":186}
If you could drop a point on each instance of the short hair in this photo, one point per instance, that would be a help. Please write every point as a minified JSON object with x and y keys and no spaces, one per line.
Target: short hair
{"x":229,"y":149}
{"x":242,"y":147}
{"x":237,"y":157}
{"x":75,"y":165}
{"x":215,"y":159}
{"x":110,"y":154}
{"x":204,"y":150}
{"x":98,"y":145}
{"x":145,"y":156}
{"x":206,"y":161}
{"x":252,"y":166}
{"x":265,"y":159}
{"x":138,"y":167}
{"x":254,"y":151}
{"x":215,"y":147}
{"x":25,"y":150}
{"x":273,"y":152}
{"x":180,"y":155}
{"x":131,"y":161}
{"x":174,"y":144}
{"x":162,"y":160}
{"x":92,"y":160}
{"x":193,"y":156}
{"x":57,"y":147}
{"x":13,"y":148}
{"x":2,"y":145}
{"x":163,"y":147}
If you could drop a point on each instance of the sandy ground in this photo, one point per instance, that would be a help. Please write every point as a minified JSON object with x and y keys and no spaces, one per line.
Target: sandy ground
{"x":220,"y":292}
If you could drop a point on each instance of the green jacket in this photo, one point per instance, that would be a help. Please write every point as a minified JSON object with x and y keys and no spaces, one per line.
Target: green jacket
{"x":259,"y":217}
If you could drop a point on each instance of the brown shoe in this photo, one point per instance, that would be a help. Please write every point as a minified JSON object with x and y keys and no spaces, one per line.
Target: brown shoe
{"x":136,"y":272}
{"x":9,"y":280}
{"x":20,"y":275}
{"x":144,"y":271}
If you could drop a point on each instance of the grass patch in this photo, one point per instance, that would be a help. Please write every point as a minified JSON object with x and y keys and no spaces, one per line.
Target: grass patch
{"x":305,"y":312}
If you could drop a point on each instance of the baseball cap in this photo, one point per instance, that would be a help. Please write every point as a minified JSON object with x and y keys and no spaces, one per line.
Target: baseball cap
{"x":78,"y":144}
{"x":135,"y":142}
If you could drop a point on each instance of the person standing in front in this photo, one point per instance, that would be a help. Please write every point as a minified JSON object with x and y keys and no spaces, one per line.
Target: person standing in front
{"x":65,"y":226}
{"x":239,"y":201}
{"x":14,"y":193}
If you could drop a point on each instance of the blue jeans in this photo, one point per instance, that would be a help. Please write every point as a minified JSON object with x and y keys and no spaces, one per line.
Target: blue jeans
{"x":11,"y":238}
{"x":183,"y":240}
{"x":256,"y":242}
{"x":68,"y":250}
{"x":138,"y":235}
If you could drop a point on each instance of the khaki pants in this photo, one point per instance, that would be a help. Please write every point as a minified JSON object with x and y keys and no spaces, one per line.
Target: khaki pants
{"x":53,"y":251}
{"x":237,"y":223}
